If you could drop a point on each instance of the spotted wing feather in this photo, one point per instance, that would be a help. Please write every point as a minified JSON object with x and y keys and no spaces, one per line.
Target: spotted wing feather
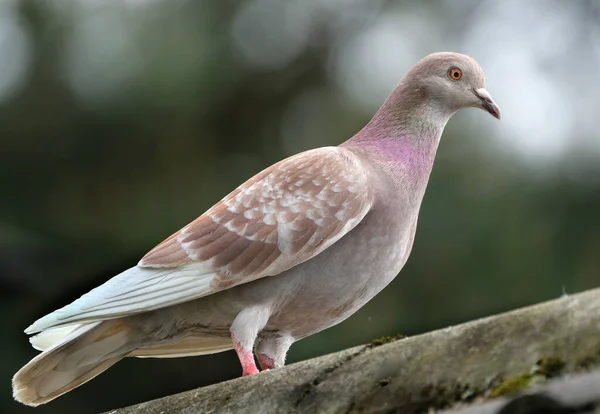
{"x":278,"y":219}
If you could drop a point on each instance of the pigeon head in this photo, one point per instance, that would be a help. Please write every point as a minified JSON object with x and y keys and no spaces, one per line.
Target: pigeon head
{"x":428,"y":95}
{"x":450,"y":82}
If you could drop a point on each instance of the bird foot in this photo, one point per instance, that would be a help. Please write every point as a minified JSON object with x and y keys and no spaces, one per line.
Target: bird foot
{"x":249,"y":371}
{"x":266,"y":362}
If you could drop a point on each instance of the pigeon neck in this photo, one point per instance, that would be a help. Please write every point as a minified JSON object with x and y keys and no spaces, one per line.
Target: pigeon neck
{"x":407,"y":127}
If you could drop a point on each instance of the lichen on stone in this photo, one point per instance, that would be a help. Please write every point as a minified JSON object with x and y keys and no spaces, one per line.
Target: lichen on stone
{"x":383,"y":382}
{"x":385,"y":340}
{"x":543,"y":369}
{"x":590,"y":361}
{"x":549,"y":367}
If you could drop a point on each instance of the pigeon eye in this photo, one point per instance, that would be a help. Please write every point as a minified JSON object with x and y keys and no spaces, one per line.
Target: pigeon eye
{"x":455,"y":73}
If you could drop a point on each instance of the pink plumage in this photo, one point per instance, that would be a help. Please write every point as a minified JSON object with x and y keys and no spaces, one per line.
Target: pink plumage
{"x":294,"y":250}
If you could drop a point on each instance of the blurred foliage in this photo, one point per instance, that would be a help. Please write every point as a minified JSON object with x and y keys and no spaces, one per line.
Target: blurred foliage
{"x":132,"y":118}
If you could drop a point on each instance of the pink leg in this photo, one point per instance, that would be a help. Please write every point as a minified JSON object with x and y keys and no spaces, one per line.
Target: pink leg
{"x":271,"y":350}
{"x":246,"y":358}
{"x":266,"y":362}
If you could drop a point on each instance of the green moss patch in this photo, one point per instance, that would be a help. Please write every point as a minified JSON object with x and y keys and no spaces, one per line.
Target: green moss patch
{"x":544,"y":369}
{"x":385,"y":340}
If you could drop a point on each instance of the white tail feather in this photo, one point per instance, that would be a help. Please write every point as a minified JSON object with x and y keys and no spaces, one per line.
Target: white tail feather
{"x":51,"y":337}
{"x":187,"y":347}
{"x":133,"y":291}
{"x":84,"y":353}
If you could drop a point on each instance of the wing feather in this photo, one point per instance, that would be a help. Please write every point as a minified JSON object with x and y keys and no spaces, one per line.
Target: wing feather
{"x":278,"y":219}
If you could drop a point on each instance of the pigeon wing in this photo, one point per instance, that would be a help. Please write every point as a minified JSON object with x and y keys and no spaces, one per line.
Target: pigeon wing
{"x":281,"y":217}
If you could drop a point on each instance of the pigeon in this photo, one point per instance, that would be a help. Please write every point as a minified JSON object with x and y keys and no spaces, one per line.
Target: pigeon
{"x":294,"y":250}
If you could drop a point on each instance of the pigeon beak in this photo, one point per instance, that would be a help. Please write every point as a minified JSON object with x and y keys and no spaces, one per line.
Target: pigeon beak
{"x":486,"y":102}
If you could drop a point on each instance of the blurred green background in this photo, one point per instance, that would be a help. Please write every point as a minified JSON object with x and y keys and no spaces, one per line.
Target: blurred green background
{"x":121,"y":121}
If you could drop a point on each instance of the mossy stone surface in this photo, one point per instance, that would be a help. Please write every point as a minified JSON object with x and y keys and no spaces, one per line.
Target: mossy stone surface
{"x":494,"y":356}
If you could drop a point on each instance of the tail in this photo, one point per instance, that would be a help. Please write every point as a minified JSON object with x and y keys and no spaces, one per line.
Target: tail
{"x":84,"y":353}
